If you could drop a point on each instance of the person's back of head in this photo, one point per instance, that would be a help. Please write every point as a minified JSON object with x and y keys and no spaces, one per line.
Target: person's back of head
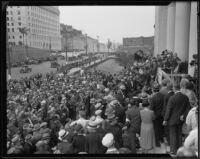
{"x":176,"y":86}
{"x":170,"y":86}
{"x":184,"y":82}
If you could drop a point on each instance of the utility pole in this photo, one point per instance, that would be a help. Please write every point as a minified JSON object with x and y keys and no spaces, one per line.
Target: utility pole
{"x":8,"y":54}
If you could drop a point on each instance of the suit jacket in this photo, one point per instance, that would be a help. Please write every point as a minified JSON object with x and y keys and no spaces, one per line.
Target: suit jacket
{"x":157,"y":103}
{"x":120,"y":113}
{"x":178,"y":105}
{"x":93,"y":144}
{"x":65,"y":148}
{"x":78,"y":143}
{"x":166,"y":99}
{"x":135,"y":119}
{"x":117,"y":133}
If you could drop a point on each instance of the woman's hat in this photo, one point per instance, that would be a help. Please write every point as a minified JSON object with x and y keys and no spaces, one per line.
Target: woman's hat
{"x":108,"y":140}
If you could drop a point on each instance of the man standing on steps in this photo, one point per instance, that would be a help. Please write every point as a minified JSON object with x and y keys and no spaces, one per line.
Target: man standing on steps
{"x":156,"y":104}
{"x":176,"y":112}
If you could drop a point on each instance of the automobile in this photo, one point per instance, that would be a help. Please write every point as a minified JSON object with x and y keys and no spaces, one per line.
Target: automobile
{"x":25,"y":69}
{"x":54,"y":64}
{"x":14,"y":65}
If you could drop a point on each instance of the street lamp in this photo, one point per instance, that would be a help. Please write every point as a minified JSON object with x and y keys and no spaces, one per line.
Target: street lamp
{"x":86,"y":45}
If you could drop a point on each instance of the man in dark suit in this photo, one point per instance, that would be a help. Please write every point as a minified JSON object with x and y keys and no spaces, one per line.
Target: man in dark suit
{"x":157,"y":103}
{"x":166,"y":99}
{"x":176,"y":112}
{"x":134,"y":118}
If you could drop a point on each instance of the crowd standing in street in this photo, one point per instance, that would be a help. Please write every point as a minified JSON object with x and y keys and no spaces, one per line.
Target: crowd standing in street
{"x":97,"y":113}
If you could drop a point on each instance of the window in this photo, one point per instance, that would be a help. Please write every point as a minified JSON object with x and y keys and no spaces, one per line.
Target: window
{"x":18,"y":12}
{"x":11,"y":12}
{"x":19,"y":18}
{"x":8,"y":24}
{"x":19,"y":23}
{"x":11,"y":18}
{"x":20,"y":37}
{"x":13,"y":30}
{"x":8,"y":29}
{"x":13,"y":37}
{"x":8,"y":37}
{"x":12,"y":24}
{"x":7,"y":18}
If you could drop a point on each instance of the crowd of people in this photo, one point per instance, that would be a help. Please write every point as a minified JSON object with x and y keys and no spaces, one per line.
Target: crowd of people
{"x":97,"y":113}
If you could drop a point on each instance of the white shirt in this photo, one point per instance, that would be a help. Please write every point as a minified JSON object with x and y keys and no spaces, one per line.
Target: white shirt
{"x":191,"y":120}
{"x":192,"y":140}
{"x":83,"y":122}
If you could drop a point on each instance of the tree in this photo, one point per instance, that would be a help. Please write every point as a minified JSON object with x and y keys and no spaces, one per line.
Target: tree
{"x":23,"y":31}
{"x":109,"y":45}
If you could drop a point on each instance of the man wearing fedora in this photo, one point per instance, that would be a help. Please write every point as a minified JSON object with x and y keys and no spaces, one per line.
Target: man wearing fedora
{"x":157,"y":104}
{"x":114,"y":128}
{"x":176,"y":112}
{"x":79,"y":139}
{"x":29,"y":147}
{"x":93,"y":143}
{"x":65,"y":146}
{"x":134,"y":118}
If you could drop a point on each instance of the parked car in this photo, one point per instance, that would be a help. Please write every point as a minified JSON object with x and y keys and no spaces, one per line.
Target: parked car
{"x":25,"y":69}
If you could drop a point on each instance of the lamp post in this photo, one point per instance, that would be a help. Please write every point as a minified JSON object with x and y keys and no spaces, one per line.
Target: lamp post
{"x":86,"y":45}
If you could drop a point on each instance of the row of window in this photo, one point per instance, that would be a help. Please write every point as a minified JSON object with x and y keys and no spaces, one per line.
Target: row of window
{"x":12,"y":24}
{"x":11,"y":18}
{"x":11,"y":12}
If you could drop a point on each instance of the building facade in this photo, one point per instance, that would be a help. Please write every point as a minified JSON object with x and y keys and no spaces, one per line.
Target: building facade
{"x":41,"y":23}
{"x":74,"y":40}
{"x":176,"y":29}
{"x":133,"y":44}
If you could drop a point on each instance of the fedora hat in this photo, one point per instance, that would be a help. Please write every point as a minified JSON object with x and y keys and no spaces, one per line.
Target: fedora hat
{"x":36,"y":127}
{"x":45,"y":136}
{"x":62,"y":134}
{"x":92,"y":125}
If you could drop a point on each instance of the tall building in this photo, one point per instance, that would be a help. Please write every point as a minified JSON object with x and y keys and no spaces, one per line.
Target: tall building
{"x":176,"y":29}
{"x":41,"y":23}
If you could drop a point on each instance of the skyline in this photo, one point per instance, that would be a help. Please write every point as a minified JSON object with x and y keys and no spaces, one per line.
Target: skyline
{"x":110,"y":22}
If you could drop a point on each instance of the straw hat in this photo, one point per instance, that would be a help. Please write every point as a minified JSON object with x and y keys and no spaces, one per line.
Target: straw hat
{"x":63,"y":134}
{"x":98,"y":106}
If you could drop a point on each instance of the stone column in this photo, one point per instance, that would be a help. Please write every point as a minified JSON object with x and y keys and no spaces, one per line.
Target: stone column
{"x":182,"y":28}
{"x":156,"y":31}
{"x":162,"y":28}
{"x":171,"y":26}
{"x":193,"y":31}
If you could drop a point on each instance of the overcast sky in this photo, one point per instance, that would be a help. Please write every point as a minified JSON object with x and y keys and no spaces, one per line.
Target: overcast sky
{"x":113,"y":22}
